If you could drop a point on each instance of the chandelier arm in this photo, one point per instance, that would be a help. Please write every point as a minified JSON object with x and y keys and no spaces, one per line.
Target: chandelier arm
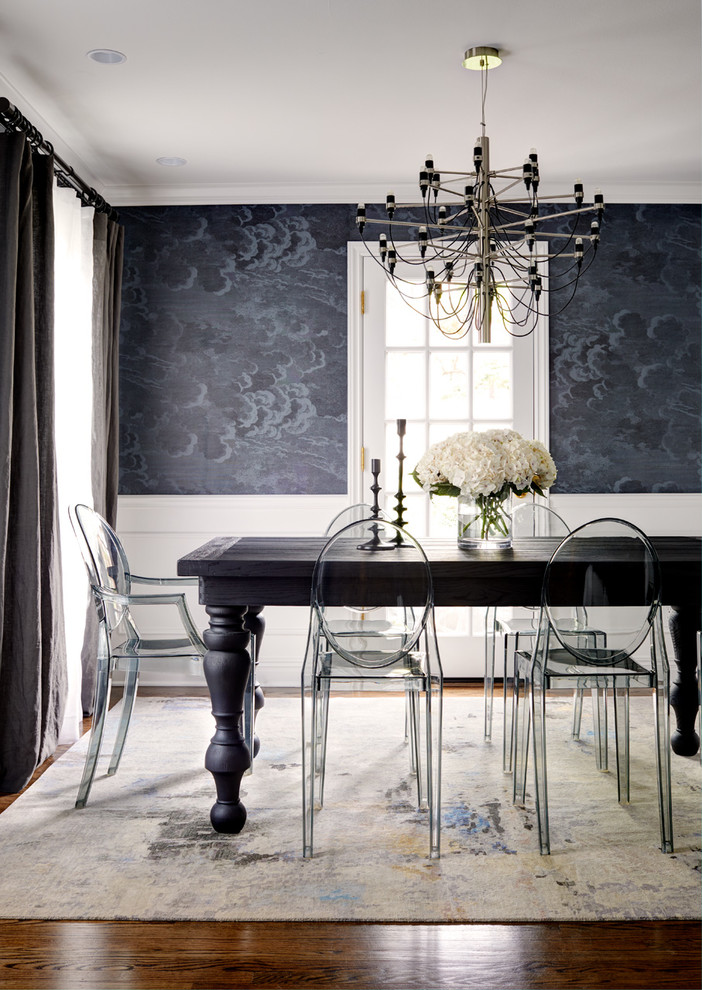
{"x":419,"y":205}
{"x":556,"y":234}
{"x":540,"y":218}
{"x":392,"y":223}
{"x":566,"y":213}
{"x":459,"y":175}
{"x":437,"y":226}
{"x":514,"y":170}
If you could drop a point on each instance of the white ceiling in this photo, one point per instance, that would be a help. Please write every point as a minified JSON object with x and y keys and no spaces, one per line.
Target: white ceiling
{"x":339,"y":100}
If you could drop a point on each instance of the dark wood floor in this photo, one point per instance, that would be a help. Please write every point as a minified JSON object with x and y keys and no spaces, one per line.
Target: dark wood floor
{"x":622,"y":955}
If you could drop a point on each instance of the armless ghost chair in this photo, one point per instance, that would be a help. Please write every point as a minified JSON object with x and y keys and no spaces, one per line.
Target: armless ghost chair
{"x":396,"y":651}
{"x":531,"y":520}
{"x":121,"y":645}
{"x":623,"y":602}
{"x":350,"y":514}
{"x":355,"y":513}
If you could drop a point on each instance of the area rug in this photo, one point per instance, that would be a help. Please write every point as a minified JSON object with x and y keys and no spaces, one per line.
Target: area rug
{"x":144,"y":849}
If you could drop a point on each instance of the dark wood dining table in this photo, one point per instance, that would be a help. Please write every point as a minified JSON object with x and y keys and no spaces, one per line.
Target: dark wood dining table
{"x":238,"y":577}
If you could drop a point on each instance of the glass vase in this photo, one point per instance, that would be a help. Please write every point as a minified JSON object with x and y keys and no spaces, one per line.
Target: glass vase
{"x":484,"y":522}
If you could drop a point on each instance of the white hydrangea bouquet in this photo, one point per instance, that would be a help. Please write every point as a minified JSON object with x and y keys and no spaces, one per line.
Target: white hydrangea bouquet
{"x":483,"y":470}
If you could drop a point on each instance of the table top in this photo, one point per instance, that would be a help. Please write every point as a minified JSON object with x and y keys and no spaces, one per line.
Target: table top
{"x":277,"y":570}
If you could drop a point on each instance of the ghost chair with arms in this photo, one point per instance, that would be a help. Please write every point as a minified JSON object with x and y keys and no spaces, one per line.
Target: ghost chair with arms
{"x":122,"y":645}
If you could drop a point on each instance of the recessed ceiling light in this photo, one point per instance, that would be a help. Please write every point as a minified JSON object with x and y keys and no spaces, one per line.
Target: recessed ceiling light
{"x":172,"y":162}
{"x":106,"y":56}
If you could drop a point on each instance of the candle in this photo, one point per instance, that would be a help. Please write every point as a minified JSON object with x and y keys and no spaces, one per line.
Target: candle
{"x":375,"y":466}
{"x":401,"y":424}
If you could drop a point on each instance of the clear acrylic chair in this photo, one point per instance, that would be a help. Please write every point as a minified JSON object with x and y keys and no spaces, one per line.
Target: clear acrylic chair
{"x":121,"y":645}
{"x":623,"y":602}
{"x":396,"y":651}
{"x":350,"y":514}
{"x":355,"y":513}
{"x":530,"y":520}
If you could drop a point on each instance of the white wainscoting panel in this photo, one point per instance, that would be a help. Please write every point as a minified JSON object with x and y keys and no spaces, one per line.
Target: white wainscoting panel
{"x":656,"y":515}
{"x":158,"y":529}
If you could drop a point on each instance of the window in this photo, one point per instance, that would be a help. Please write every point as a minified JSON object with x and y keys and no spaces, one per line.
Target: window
{"x":403,"y":368}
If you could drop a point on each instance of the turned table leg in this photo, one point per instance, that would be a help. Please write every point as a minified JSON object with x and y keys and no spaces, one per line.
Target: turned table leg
{"x":227,"y":664}
{"x":684,"y":624}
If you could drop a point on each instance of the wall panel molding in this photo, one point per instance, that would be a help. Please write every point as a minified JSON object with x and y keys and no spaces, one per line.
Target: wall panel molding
{"x":157,"y":529}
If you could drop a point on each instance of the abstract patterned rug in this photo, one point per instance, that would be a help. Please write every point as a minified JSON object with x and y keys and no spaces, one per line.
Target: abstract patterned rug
{"x":144,"y":849}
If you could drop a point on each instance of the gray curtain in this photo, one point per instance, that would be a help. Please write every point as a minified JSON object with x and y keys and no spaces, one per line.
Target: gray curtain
{"x":32,"y":645}
{"x":108,"y":250}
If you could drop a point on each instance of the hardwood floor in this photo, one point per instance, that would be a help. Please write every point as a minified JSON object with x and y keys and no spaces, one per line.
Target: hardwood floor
{"x":226,"y":954}
{"x":622,"y":955}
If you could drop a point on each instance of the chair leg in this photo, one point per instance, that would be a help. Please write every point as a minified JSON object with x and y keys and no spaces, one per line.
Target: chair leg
{"x":103,"y":686}
{"x":321,"y":746}
{"x":621,"y":735}
{"x":310,"y":738}
{"x":128,"y":699}
{"x":489,"y":675}
{"x":538,"y":717}
{"x":434,"y":720}
{"x":599,"y":717}
{"x":309,"y":758}
{"x":421,"y":767}
{"x":249,"y":716}
{"x":577,"y":712}
{"x":521,"y":732}
{"x":410,"y":736}
{"x":508,"y":705}
{"x":665,"y":805}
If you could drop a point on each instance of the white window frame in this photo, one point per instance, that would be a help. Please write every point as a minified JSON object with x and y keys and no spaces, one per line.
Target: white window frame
{"x":357,"y":484}
{"x":462,"y":655}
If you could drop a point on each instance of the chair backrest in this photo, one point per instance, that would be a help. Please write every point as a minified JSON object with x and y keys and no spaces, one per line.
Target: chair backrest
{"x":104,"y":558}
{"x":361,"y":568}
{"x":610,"y":568}
{"x":532,"y":519}
{"x":352,"y":513}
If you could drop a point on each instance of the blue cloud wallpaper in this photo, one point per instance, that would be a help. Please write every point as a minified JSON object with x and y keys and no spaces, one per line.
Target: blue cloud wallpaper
{"x":233,"y":360}
{"x":233,"y":350}
{"x":625,"y":359}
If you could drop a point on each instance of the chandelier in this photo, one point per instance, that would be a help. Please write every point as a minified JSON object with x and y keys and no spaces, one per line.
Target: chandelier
{"x":485,"y":253}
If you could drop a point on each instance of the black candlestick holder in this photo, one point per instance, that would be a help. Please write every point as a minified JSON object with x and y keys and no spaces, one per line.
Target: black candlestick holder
{"x":399,"y":494}
{"x":376,"y":543}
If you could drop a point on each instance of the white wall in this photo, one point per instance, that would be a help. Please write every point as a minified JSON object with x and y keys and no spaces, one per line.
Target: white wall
{"x":158,"y":529}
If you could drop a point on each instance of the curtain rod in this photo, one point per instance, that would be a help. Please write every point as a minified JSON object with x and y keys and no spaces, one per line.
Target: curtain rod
{"x":13,"y":119}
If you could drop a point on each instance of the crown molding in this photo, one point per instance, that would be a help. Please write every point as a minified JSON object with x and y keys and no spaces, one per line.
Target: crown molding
{"x":61,"y":147}
{"x":313,"y":192}
{"x":304,"y":193}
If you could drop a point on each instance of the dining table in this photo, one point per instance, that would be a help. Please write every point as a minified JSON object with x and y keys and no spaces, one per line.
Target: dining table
{"x":239,"y":576}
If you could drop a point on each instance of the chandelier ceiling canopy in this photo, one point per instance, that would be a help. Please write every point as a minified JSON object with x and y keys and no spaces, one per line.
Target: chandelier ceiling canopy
{"x":484,"y":253}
